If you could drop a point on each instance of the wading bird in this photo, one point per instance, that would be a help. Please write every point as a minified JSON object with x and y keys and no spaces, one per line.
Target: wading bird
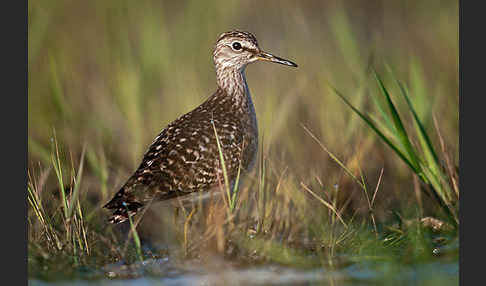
{"x":184,"y":158}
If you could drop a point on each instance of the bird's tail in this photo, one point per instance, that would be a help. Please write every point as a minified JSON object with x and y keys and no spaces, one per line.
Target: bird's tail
{"x":122,"y":207}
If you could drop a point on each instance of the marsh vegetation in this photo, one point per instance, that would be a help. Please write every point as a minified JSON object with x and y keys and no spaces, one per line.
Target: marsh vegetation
{"x":357,"y":177}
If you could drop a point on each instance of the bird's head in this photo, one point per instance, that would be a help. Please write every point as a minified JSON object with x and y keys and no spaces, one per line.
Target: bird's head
{"x":236,"y":49}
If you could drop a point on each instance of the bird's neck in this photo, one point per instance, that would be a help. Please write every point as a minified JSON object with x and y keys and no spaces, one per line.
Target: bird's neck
{"x":233,"y":84}
{"x":231,"y":80}
{"x":233,"y":94}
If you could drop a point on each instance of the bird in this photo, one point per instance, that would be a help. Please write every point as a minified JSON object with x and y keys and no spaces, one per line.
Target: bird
{"x":184,"y":157}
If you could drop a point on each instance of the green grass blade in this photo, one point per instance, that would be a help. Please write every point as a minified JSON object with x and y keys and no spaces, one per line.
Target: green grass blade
{"x":223,"y":166}
{"x":34,"y":202}
{"x":136,"y":238}
{"x":235,"y":188}
{"x":426,"y":142}
{"x":75,"y":194}
{"x":433,"y":172}
{"x":56,"y":163}
{"x":400,"y":129}
{"x":377,"y":131}
{"x":387,"y":121}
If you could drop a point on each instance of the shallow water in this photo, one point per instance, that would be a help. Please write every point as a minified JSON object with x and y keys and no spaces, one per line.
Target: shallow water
{"x":442,"y":268}
{"x":165,"y":272}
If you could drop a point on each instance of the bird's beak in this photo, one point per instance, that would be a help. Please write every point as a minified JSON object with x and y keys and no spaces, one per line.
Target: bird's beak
{"x":262,"y":56}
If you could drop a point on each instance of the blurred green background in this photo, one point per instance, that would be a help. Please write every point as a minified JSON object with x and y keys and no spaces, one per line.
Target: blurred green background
{"x":112,"y":74}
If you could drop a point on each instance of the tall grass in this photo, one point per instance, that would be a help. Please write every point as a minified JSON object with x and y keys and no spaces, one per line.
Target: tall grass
{"x":73,"y":232}
{"x":422,"y":159}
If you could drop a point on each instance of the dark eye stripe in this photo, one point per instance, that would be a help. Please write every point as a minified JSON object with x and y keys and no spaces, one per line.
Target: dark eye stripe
{"x":253,"y":51}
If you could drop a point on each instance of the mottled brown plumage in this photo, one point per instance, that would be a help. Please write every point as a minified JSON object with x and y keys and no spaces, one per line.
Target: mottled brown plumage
{"x":184,"y":157}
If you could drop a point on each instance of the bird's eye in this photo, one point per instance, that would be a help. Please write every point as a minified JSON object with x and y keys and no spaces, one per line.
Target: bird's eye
{"x":236,"y":46}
